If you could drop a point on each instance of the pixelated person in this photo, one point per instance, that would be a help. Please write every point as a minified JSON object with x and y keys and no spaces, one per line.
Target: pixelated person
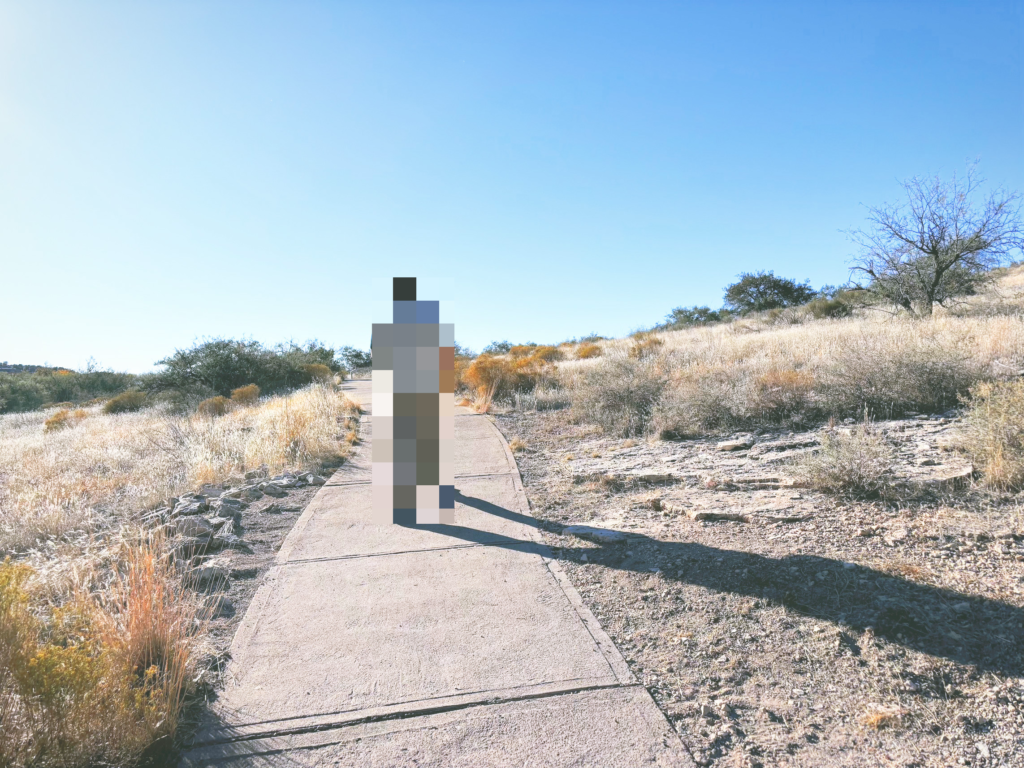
{"x":413,"y":419}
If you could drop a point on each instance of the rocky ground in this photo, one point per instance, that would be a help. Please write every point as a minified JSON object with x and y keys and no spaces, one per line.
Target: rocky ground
{"x":779,"y":626}
{"x":228,"y":537}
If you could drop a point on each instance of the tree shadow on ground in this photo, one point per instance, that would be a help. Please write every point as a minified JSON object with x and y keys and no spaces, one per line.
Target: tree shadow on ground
{"x":975,"y":631}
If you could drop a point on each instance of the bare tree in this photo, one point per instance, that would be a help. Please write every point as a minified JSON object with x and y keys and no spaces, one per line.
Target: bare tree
{"x":938,"y":245}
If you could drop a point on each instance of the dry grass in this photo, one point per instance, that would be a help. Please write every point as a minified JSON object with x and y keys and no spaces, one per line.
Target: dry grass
{"x":763,"y":371}
{"x":994,"y":433}
{"x":214,"y":406}
{"x":111,"y":467}
{"x":100,"y":677}
{"x":63,"y":419}
{"x":858,"y":462}
{"x":516,"y":445}
{"x":247,"y":395}
{"x":879,"y":718}
{"x":587,"y":350}
{"x":98,"y":641}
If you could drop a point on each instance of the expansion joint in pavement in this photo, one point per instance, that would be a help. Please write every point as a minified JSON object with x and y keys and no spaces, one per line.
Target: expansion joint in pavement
{"x":423,"y":711}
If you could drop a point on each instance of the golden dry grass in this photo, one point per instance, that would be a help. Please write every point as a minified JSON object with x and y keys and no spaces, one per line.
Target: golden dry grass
{"x":113,"y":466}
{"x":757,"y":370}
{"x":99,"y":642}
{"x":994,"y":433}
{"x":99,"y":677}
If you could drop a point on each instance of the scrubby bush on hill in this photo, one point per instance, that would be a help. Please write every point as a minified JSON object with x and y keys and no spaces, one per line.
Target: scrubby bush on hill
{"x":761,"y":291}
{"x":246,"y":395}
{"x":219,"y":366}
{"x":29,"y":391}
{"x":619,"y":393}
{"x":214,"y":406}
{"x":132,"y":400}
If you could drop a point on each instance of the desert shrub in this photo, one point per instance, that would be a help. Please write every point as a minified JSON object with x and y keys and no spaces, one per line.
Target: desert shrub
{"x":521,"y":350}
{"x":491,"y":377}
{"x":95,"y":680}
{"x":317,"y":372}
{"x":21,"y":392}
{"x":912,"y":369}
{"x":214,"y":406}
{"x":994,"y":432}
{"x":246,"y":395}
{"x":132,"y":400}
{"x":822,"y":308}
{"x":355,"y":358}
{"x":619,"y":393}
{"x":548,"y":354}
{"x":217,"y":367}
{"x":697,"y":401}
{"x":63,"y":419}
{"x":587,"y":350}
{"x":859,"y":463}
{"x":645,"y":345}
{"x":761,"y":291}
{"x":684,"y":317}
{"x":779,"y":393}
{"x":497,"y":348}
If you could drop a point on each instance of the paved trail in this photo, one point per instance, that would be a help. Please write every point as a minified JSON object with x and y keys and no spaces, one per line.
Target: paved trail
{"x":439,"y":645}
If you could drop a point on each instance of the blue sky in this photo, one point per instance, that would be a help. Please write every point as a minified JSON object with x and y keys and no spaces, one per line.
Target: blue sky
{"x":179,"y":170}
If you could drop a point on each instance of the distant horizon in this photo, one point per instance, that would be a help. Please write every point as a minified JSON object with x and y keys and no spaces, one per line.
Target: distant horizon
{"x":171,"y":172}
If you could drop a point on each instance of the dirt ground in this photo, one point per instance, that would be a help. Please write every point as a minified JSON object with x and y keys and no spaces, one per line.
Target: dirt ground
{"x":806,"y":630}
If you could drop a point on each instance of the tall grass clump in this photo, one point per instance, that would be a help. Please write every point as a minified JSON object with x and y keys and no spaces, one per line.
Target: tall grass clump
{"x":619,"y":393}
{"x":99,"y":677}
{"x":858,"y":463}
{"x":994,"y":432}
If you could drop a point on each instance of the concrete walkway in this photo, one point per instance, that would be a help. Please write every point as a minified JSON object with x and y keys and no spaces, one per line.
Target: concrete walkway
{"x":439,"y":645}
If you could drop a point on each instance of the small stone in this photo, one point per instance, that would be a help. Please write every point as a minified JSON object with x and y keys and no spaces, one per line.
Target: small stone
{"x":600,"y":535}
{"x":273,"y":490}
{"x":219,"y":606}
{"x":226,"y":539}
{"x":982,"y":748}
{"x":740,"y":443}
{"x":866,"y":532}
{"x":259,"y":472}
{"x":961,"y":609}
{"x":927,"y":462}
{"x":192,"y":527}
{"x":207,"y":578}
{"x":190,"y":505}
{"x":315,"y":480}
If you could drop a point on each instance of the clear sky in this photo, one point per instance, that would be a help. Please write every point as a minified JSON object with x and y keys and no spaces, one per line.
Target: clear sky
{"x":176,"y":170}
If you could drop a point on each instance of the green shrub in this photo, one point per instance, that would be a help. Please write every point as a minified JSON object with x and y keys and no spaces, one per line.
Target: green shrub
{"x":220,"y":366}
{"x":21,"y":392}
{"x":822,"y":308}
{"x":132,"y":400}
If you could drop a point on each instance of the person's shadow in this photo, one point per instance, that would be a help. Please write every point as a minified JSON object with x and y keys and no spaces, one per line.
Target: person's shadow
{"x":984,"y":633}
